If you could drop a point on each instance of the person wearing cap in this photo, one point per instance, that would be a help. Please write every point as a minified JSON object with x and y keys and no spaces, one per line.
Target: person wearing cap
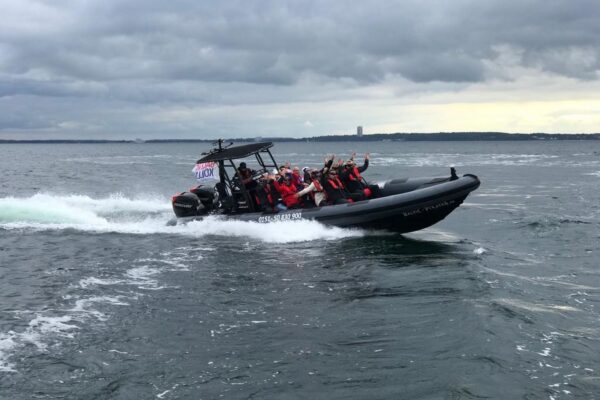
{"x":334,"y":189}
{"x":266,"y":194}
{"x":245,"y":175}
{"x":353,"y":181}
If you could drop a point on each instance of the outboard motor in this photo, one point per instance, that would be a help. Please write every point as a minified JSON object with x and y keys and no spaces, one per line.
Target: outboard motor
{"x":206,"y":195}
{"x":187,"y":204}
{"x":198,"y":201}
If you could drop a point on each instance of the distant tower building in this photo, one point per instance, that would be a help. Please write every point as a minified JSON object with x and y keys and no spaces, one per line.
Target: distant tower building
{"x":359,"y":131}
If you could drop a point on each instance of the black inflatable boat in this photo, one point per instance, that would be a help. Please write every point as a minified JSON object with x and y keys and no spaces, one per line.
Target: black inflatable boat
{"x":402,"y":205}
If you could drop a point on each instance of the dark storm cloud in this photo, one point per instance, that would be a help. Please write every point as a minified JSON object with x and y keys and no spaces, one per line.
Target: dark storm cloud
{"x":279,"y":42}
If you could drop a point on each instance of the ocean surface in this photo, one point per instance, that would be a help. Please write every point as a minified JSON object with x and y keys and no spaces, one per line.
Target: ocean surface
{"x":100,"y":299}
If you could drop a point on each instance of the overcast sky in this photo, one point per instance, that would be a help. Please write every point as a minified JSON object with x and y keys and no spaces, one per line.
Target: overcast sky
{"x":205,"y":69}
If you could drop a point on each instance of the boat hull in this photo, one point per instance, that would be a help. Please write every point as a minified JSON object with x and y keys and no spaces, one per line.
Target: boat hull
{"x":399,"y":211}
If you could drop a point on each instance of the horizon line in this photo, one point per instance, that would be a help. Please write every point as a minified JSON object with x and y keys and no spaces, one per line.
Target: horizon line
{"x":433,"y":136}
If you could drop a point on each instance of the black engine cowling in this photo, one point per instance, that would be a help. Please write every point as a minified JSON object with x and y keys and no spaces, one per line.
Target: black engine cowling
{"x":198,"y":201}
{"x":187,"y":204}
{"x":206,"y":195}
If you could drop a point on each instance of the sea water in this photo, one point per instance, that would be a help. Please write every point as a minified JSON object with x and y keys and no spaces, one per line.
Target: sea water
{"x":100,"y":298}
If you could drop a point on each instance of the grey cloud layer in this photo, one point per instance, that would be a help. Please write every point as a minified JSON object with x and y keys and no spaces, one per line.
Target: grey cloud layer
{"x":151,"y":51}
{"x":279,"y":42}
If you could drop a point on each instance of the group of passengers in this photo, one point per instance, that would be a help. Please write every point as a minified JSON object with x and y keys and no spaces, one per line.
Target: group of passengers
{"x":290,"y":188}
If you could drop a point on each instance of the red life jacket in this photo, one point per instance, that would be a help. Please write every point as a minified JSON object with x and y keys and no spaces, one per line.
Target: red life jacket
{"x":267,"y":190}
{"x":288,"y":194}
{"x":296,"y":179}
{"x":336,"y":183}
{"x":354,"y":175}
{"x":318,"y":187}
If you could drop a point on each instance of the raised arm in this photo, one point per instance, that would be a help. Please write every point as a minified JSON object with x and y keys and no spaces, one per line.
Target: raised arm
{"x":365,"y":165}
{"x":328,"y":163}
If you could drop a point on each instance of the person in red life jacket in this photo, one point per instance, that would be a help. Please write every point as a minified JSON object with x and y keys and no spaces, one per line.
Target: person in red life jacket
{"x":288,"y":191}
{"x":297,"y":179}
{"x":350,"y":175}
{"x":334,"y":189}
{"x":266,"y":194}
{"x":275,"y":178}
{"x":315,"y":190}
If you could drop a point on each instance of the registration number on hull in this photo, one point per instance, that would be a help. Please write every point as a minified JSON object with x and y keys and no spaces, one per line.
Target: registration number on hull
{"x":280,"y":217}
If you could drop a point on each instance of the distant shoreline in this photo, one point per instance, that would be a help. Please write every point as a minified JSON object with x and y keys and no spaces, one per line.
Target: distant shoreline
{"x":399,"y":137}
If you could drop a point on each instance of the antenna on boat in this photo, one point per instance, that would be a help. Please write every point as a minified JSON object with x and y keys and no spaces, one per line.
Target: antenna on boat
{"x":220,"y":147}
{"x":219,"y":142}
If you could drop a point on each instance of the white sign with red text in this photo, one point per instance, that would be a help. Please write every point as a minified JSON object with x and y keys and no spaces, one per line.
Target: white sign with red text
{"x":205,"y":171}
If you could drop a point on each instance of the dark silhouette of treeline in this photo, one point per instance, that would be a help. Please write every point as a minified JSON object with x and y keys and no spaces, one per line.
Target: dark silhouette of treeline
{"x":456,"y":136}
{"x":64,"y":141}
{"x":408,"y":137}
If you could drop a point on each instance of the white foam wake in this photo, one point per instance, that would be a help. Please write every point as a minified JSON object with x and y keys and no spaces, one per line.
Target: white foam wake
{"x":74,"y":209}
{"x":37,"y":333}
{"x":7,"y":344}
{"x":118,"y":214}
